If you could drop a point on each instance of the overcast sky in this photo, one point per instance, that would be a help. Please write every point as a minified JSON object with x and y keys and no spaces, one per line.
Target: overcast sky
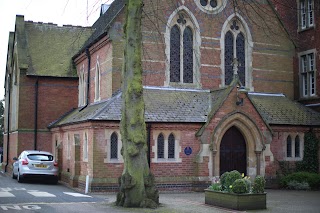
{"x":74,"y":12}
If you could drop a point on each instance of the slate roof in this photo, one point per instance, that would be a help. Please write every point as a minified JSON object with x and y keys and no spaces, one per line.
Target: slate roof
{"x":50,"y":48}
{"x":163,"y":104}
{"x":279,"y":110}
{"x":103,"y":23}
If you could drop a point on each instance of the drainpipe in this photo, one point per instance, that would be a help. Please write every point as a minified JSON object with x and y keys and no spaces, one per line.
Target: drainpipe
{"x":88,"y":83}
{"x":8,"y":122}
{"x":148,"y":142}
{"x":36,"y":114}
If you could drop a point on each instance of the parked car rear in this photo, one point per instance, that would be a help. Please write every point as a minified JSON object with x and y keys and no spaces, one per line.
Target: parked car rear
{"x":35,"y":164}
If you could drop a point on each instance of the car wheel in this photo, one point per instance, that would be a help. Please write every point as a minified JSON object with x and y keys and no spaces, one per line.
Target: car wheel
{"x":14,"y":176}
{"x":19,"y":178}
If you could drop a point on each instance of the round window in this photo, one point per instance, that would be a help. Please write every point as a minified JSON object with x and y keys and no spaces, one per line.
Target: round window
{"x":211,"y":6}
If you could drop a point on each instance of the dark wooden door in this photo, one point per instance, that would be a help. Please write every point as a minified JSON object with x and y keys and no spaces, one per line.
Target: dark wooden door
{"x":233,"y":154}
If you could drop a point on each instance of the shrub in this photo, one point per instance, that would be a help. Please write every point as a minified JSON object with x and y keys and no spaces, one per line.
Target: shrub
{"x":258,"y":184}
{"x":248,"y":183}
{"x":240,"y":186}
{"x":216,"y":187}
{"x":312,"y":179}
{"x":298,"y":186}
{"x":228,"y":179}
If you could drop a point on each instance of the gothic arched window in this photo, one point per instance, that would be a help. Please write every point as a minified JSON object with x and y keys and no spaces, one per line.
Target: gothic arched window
{"x":175,"y":54}
{"x":114,"y":146}
{"x":240,"y":48}
{"x":289,"y":147}
{"x":160,"y":147}
{"x":235,"y":44}
{"x":181,"y":51}
{"x":188,"y":55}
{"x":228,"y":57}
{"x":171,"y":146}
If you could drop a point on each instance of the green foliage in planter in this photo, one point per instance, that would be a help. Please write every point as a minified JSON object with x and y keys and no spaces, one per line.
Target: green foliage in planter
{"x":312,"y":179}
{"x":240,"y":186}
{"x":293,"y":184}
{"x":310,"y":161}
{"x":258,"y":184}
{"x":228,"y":178}
{"x":216,"y":187}
{"x":248,"y":183}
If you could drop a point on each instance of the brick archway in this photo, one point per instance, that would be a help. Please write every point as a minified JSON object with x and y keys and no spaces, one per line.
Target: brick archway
{"x":253,"y":139}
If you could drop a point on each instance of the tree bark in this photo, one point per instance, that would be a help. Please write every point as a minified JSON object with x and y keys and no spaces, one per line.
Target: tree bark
{"x":137,"y":187}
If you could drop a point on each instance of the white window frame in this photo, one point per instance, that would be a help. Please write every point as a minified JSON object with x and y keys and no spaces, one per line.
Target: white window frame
{"x":306,"y":14}
{"x":245,"y":30}
{"x":85,"y":147}
{"x":191,"y":22}
{"x":177,"y":147}
{"x":293,"y":138}
{"x":307,"y":73}
{"x":221,"y":4}
{"x":97,"y":80}
{"x":107,"y":158}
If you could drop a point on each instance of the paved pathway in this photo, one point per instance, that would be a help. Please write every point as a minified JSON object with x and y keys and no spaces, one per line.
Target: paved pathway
{"x":279,"y":201}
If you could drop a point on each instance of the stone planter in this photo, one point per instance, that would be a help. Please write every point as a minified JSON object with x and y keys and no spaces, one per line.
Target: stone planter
{"x":236,"y":201}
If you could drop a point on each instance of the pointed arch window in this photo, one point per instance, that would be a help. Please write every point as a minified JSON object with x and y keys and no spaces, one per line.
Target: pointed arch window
{"x":289,"y":147}
{"x":82,"y":87}
{"x":171,"y":146}
{"x":114,"y":146}
{"x":181,"y":51}
{"x":235,"y":47}
{"x":160,"y":144}
{"x":97,"y":83}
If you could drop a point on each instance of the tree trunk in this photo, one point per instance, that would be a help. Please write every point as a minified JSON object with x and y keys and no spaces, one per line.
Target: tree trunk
{"x":137,"y":187}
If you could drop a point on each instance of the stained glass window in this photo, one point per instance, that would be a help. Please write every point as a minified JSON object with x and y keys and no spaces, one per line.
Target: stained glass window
{"x":171,"y":146}
{"x":297,"y":147}
{"x":204,"y":2}
{"x":114,"y":146}
{"x":187,"y":55}
{"x":289,"y":147}
{"x":228,"y":57}
{"x":175,"y":54}
{"x":241,"y":58}
{"x":160,"y":146}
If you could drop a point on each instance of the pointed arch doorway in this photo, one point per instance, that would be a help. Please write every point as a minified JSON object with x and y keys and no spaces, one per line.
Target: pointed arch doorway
{"x":233,"y":154}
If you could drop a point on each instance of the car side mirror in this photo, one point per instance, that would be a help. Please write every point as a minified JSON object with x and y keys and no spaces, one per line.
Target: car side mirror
{"x":15,"y":158}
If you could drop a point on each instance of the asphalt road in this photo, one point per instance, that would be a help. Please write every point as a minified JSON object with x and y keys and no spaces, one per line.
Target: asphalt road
{"x":47,"y":198}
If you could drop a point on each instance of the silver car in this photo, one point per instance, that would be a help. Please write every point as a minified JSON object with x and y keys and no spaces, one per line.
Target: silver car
{"x":35,"y":164}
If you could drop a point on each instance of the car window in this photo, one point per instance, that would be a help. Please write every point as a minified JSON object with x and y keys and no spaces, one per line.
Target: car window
{"x":40,"y":157}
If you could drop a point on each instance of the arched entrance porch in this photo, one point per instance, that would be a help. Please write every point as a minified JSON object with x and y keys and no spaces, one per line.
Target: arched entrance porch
{"x":253,"y":139}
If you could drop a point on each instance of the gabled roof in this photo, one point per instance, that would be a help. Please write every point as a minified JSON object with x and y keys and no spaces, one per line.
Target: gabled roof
{"x":46,"y":49}
{"x":279,"y":110}
{"x":102,"y":25}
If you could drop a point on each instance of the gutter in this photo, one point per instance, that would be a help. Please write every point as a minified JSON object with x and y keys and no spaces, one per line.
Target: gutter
{"x":36,"y":114}
{"x":8,"y":122}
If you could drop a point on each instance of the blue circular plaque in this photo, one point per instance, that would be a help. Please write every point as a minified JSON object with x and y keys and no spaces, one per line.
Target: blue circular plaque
{"x":188,"y":150}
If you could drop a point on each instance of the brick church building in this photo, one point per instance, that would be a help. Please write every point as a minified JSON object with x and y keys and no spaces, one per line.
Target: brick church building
{"x":225,"y":87}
